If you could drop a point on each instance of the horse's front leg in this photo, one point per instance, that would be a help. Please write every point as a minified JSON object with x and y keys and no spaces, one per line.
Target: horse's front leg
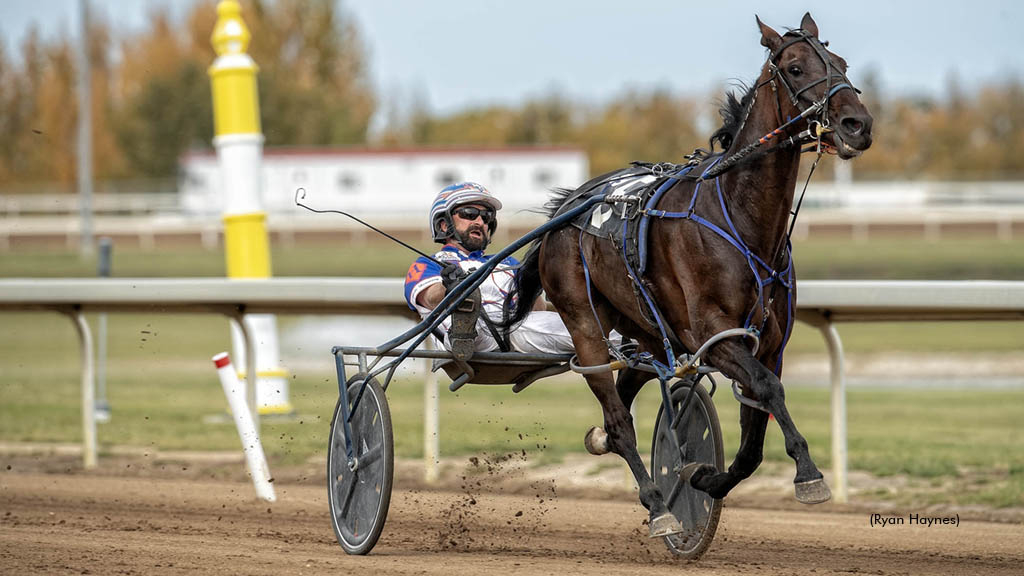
{"x":619,"y":437}
{"x":706,"y":478}
{"x":736,"y":361}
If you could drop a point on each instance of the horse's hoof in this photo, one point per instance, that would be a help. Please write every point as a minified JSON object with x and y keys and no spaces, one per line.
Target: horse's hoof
{"x":812,"y":491}
{"x":687,"y":473}
{"x":596,"y":441}
{"x":665,"y":525}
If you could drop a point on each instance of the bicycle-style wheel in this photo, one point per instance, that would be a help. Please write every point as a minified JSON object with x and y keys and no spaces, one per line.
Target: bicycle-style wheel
{"x":359,"y":487}
{"x":697,"y":437}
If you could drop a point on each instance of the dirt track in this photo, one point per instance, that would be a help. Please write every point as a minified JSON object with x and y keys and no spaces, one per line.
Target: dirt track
{"x":82,"y":524}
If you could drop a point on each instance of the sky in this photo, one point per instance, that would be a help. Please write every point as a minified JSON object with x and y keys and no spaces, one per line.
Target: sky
{"x":459,"y":53}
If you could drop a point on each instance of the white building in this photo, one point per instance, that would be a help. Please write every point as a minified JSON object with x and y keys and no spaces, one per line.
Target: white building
{"x":391,"y":183}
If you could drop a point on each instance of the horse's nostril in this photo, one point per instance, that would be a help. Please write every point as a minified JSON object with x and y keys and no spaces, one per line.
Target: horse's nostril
{"x":856,"y":125}
{"x":853,"y":126}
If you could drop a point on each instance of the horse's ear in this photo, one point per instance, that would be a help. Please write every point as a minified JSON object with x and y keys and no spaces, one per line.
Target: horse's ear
{"x":808,"y":25}
{"x":770,"y":39}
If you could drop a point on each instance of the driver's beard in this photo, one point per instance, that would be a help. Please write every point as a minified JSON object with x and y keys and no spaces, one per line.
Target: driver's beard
{"x":472,"y":244}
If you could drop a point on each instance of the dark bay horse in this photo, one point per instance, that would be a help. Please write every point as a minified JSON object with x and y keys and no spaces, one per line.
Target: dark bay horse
{"x":702,"y":281}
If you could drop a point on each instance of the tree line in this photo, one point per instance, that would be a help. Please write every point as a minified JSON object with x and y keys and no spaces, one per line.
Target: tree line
{"x":151,"y":103}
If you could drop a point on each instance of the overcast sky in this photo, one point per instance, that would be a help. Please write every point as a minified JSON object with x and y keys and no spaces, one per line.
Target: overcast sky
{"x":456,"y":53}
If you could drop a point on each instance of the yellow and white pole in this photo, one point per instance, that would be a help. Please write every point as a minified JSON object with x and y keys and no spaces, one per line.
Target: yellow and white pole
{"x":239,"y":143}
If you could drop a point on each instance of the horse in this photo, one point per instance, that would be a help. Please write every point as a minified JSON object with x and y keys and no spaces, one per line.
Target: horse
{"x":714,"y":263}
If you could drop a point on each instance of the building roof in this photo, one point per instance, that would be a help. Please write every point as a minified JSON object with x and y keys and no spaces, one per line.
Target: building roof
{"x":333,"y":152}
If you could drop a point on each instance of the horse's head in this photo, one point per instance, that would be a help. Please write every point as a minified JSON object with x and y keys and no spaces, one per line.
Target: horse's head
{"x":817,"y":87}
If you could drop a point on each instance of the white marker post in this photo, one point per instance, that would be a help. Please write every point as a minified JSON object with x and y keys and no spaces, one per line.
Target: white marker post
{"x":255,"y":459}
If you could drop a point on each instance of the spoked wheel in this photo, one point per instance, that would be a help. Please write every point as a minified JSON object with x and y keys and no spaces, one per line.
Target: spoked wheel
{"x":359,"y":489}
{"x":697,"y":437}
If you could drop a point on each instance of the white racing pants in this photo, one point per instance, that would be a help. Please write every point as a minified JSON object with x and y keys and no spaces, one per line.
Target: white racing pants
{"x":541,"y":332}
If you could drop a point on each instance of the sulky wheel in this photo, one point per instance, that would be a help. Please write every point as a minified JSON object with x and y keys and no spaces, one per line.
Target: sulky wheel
{"x":359,"y":489}
{"x":697,"y":438}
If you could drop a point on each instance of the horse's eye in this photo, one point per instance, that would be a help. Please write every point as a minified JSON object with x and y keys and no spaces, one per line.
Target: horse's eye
{"x":795,"y":71}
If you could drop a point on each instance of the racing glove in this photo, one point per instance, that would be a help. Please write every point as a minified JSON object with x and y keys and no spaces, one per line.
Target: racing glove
{"x":451,"y":275}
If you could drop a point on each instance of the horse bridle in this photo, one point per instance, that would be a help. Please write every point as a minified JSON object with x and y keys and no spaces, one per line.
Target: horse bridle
{"x":814,"y":106}
{"x":818,"y":126}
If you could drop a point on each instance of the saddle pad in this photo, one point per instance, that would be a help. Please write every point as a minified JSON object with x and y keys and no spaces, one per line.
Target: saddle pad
{"x":605,"y":220}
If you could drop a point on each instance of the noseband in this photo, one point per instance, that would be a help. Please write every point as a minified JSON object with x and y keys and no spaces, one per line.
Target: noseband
{"x":832,"y":72}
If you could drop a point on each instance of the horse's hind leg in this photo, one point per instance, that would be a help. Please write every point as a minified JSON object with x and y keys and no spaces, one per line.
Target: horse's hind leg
{"x":629,"y":383}
{"x":621,"y":438}
{"x":564,"y":281}
{"x":736,"y":361}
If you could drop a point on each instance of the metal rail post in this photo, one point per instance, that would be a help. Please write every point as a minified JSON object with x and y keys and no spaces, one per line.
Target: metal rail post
{"x":838,"y":386}
{"x":88,"y":392}
{"x":836,"y":364}
{"x":431,"y":422}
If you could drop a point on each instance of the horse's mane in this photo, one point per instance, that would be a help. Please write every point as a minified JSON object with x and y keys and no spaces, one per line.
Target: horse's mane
{"x":733,"y":112}
{"x":556,"y":198}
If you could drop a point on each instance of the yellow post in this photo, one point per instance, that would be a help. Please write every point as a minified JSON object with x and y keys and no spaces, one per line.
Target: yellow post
{"x":239,"y":142}
{"x":236,"y":113}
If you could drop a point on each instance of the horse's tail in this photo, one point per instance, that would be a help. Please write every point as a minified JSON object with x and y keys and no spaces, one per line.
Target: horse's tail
{"x":524,"y":290}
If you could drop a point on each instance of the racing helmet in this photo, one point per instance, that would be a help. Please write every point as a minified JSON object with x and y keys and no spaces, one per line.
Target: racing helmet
{"x":454,"y":196}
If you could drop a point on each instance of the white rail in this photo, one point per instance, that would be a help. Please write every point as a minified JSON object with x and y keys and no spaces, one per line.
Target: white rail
{"x":820,"y":303}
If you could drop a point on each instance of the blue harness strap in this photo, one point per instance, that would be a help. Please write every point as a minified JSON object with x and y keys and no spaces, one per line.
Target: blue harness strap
{"x":642,"y":228}
{"x":665,"y":371}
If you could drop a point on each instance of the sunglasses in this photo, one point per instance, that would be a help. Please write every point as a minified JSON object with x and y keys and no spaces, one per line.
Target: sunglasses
{"x":471,"y":212}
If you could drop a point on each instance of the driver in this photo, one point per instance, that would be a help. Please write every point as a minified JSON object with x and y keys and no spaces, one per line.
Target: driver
{"x":463,"y":218}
